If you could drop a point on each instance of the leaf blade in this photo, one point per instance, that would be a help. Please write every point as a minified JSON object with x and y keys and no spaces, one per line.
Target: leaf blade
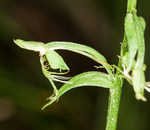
{"x":92,"y":78}
{"x":30,"y":45}
{"x":56,"y":61}
{"x":81,"y":49}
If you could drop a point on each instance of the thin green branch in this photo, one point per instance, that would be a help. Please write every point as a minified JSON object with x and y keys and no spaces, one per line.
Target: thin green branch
{"x":113,"y":104}
{"x":131,"y":5}
{"x":115,"y":93}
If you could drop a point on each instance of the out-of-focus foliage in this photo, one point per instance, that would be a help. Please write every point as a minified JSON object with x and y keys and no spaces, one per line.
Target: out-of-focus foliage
{"x":97,"y":23}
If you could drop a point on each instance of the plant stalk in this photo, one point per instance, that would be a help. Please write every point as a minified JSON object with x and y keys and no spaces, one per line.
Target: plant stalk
{"x":115,"y":93}
{"x":131,"y":6}
{"x":113,"y":104}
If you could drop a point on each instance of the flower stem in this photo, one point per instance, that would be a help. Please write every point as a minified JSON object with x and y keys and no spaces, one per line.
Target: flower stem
{"x":113,"y":104}
{"x":115,"y":93}
{"x":131,"y":5}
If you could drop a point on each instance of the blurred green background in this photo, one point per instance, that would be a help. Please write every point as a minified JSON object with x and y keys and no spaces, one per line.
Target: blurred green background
{"x":23,"y":88}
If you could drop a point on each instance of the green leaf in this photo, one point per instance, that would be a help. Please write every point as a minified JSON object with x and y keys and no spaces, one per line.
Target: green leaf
{"x":30,"y":45}
{"x":55,"y":60}
{"x":74,"y":47}
{"x":81,"y":49}
{"x":92,"y":78}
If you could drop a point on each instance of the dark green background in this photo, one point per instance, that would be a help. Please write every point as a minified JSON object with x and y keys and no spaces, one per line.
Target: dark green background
{"x":23,"y":88}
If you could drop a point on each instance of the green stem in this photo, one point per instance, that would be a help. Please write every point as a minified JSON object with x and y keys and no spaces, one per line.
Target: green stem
{"x":115,"y":93}
{"x":131,"y":6}
{"x":113,"y":104}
